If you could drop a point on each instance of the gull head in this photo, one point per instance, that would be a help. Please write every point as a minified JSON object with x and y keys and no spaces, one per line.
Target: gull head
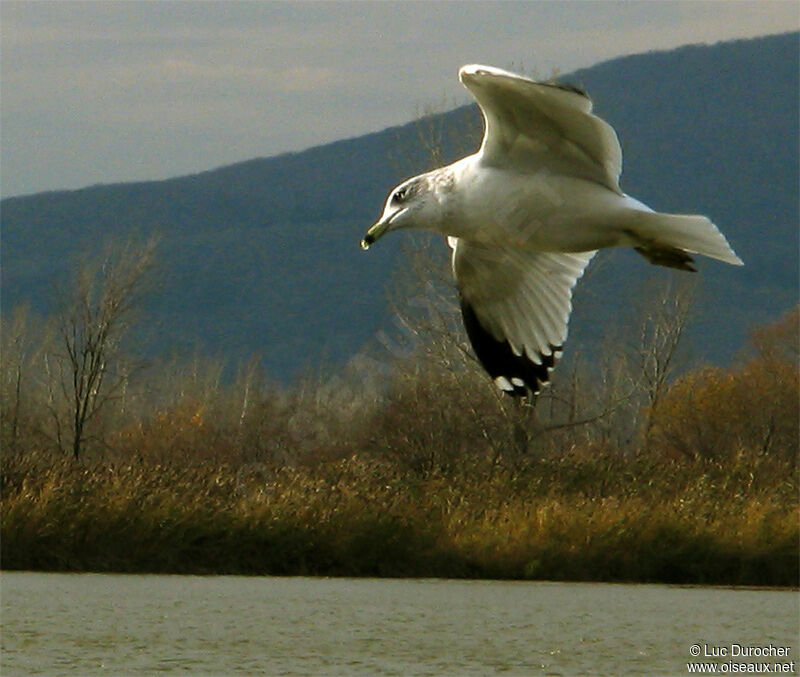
{"x":406,"y":207}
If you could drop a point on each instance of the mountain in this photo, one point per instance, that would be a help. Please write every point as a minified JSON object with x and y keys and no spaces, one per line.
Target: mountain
{"x":262,"y":256}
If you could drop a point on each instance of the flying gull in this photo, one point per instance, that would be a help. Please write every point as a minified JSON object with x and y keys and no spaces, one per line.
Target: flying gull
{"x":526,"y":213}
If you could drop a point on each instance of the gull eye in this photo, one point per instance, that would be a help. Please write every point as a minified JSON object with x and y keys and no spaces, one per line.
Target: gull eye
{"x":399,"y":195}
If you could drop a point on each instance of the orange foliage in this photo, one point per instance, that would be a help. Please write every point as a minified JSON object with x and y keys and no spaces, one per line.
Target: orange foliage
{"x":717,"y":413}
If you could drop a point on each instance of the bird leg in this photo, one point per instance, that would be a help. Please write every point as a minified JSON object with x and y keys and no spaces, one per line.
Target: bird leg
{"x":664,"y":255}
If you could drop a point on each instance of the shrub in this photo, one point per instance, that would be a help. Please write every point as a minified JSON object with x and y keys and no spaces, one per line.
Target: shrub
{"x":717,"y":413}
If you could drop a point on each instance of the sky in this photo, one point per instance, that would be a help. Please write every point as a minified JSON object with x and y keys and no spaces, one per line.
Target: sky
{"x":104,"y":92}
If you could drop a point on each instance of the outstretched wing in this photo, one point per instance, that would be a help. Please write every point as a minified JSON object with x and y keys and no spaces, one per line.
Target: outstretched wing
{"x":516,"y":307}
{"x":537,"y":126}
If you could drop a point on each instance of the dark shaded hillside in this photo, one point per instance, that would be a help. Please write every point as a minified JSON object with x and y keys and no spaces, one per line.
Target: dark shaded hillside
{"x":714,"y":130}
{"x":263,"y":256}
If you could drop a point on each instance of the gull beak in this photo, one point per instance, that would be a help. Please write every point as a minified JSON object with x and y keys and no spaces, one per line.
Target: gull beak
{"x":374,"y":233}
{"x":377,"y":230}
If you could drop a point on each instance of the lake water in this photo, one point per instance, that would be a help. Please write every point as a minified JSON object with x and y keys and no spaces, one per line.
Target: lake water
{"x":87,"y":624}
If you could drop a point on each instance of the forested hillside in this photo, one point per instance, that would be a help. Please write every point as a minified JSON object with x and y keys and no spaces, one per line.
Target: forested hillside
{"x":262,"y":257}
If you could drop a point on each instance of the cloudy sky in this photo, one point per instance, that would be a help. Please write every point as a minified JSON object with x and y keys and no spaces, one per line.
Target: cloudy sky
{"x":100,"y":92}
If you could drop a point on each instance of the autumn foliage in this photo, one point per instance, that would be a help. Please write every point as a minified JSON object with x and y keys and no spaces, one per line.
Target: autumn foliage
{"x":752,"y":408}
{"x":432,"y":474}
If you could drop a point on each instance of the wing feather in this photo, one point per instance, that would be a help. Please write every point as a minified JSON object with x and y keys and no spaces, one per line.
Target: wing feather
{"x":516,"y":306}
{"x":539,"y":126}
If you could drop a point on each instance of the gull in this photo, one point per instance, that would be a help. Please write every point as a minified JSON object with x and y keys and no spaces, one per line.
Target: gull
{"x":525,"y":214}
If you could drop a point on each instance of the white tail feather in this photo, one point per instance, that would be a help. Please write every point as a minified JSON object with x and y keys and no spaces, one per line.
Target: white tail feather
{"x":691,"y":232}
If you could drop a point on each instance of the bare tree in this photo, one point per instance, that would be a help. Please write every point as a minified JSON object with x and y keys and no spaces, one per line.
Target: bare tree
{"x":85,"y":367}
{"x":665,"y":310}
{"x":16,"y":354}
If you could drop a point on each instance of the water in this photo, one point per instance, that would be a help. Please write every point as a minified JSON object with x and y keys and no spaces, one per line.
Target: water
{"x":86,"y":624}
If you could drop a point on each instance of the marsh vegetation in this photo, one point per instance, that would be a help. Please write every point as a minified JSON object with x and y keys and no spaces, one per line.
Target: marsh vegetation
{"x":626,"y":469}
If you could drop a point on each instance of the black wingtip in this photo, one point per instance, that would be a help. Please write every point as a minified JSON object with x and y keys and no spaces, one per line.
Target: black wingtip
{"x":516,"y":375}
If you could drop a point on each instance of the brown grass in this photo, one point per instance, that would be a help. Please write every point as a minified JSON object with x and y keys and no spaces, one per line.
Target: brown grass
{"x":360,"y":516}
{"x":314,"y":481}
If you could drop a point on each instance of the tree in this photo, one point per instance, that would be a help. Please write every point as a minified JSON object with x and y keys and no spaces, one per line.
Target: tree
{"x":17,"y":357}
{"x":85,"y":366}
{"x":751,"y":407}
{"x":665,"y":310}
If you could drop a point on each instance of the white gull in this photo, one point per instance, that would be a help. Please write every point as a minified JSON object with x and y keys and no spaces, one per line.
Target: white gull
{"x":526,"y":213}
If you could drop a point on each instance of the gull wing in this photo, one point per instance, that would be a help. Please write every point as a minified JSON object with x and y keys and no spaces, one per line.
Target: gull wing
{"x":538,"y":126}
{"x":516,"y":307}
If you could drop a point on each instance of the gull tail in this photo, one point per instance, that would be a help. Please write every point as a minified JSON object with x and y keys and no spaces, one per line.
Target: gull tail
{"x":665,"y":239}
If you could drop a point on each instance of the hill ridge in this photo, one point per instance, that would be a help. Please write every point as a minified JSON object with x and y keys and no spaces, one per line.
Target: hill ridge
{"x":261,"y":256}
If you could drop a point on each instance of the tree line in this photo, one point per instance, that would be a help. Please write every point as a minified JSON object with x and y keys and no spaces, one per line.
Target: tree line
{"x":409,"y":448}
